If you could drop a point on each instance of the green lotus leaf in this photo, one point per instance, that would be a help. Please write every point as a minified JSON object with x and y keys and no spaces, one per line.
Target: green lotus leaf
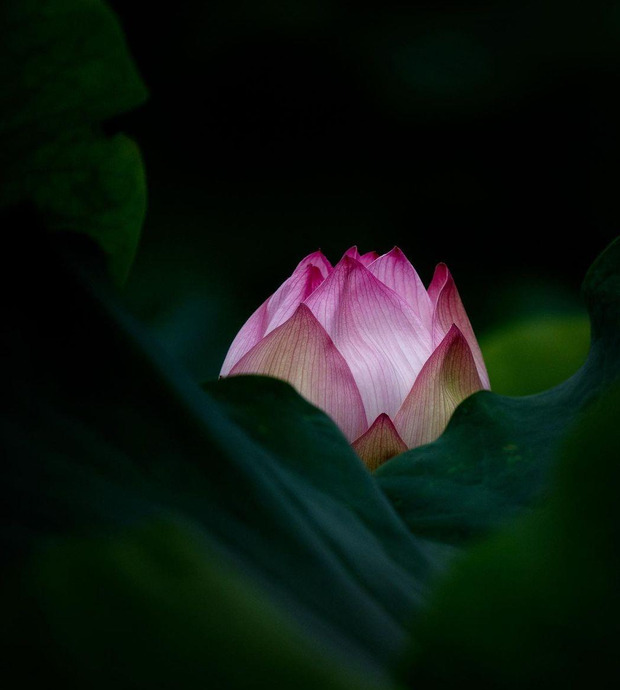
{"x":105,"y":435}
{"x":494,"y":458}
{"x":537,"y":605}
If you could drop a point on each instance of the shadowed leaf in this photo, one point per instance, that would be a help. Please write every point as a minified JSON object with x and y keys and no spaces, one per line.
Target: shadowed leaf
{"x":494,"y":458}
{"x":65,"y":68}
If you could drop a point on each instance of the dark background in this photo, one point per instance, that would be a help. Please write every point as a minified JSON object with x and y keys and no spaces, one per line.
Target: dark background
{"x":482,"y":134}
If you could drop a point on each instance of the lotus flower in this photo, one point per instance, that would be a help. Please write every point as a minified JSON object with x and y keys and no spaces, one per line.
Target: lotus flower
{"x":385,"y":358}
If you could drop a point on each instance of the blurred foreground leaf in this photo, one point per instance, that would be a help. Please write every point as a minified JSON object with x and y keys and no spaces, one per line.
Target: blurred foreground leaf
{"x":157,"y":606}
{"x":145,"y":517}
{"x":539,"y":605}
{"x":65,"y":68}
{"x":105,"y":438}
{"x":494,"y":458}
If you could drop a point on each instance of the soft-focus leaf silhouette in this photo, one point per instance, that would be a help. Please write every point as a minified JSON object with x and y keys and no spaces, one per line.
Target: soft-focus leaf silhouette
{"x":538,"y":604}
{"x":74,"y":72}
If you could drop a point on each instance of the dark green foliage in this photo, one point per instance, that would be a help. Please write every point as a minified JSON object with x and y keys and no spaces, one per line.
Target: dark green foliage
{"x":156,"y":606}
{"x":538,"y":605}
{"x":64,"y":69}
{"x":494,"y":458}
{"x":106,"y":437}
{"x":132,"y":497}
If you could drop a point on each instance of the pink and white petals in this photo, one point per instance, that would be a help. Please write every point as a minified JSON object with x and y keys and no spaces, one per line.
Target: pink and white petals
{"x":380,"y":443}
{"x":317,"y":259}
{"x":394,"y":270}
{"x":284,"y":302}
{"x":365,"y":259}
{"x":380,"y":336}
{"x":448,"y":377}
{"x":387,"y":359}
{"x":274,"y":311}
{"x":300,"y":352}
{"x":448,"y":309}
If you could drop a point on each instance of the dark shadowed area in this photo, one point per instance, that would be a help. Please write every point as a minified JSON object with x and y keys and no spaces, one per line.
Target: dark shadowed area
{"x":165,"y":529}
{"x":484,"y":135}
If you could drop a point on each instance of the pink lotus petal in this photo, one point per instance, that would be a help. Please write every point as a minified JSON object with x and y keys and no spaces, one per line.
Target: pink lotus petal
{"x":251,"y":332}
{"x":317,"y":259}
{"x":283,"y":303}
{"x":382,"y":339}
{"x":273,"y":312}
{"x":380,"y":443}
{"x":449,"y":310}
{"x":440,"y":276}
{"x":300,"y":352}
{"x":367,"y":258}
{"x":352,"y":253}
{"x":394,"y":270}
{"x":447,"y":378}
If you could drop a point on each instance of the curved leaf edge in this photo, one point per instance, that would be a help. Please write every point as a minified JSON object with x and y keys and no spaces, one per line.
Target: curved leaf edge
{"x":496,"y":451}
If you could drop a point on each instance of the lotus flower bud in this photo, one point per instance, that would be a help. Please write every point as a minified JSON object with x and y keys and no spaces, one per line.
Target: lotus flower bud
{"x":385,"y":358}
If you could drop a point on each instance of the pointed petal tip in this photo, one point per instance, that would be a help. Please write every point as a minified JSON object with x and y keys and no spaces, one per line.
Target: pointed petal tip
{"x":441,"y":275}
{"x":317,"y":259}
{"x":379,"y":443}
{"x":448,"y":309}
{"x":447,"y":378}
{"x":396,"y":272}
{"x":301,"y":352}
{"x":348,"y":263}
{"x":352,"y":252}
{"x":395,"y":252}
{"x":454,"y":332}
{"x":367,"y":258}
